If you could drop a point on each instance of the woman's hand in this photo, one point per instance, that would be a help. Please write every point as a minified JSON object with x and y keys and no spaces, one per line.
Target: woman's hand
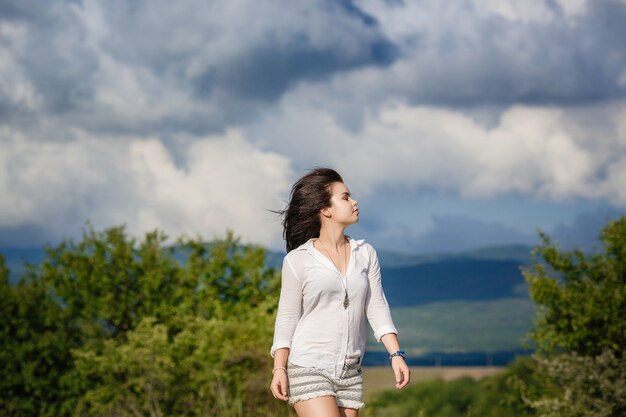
{"x":279,"y":385}
{"x":401,"y":371}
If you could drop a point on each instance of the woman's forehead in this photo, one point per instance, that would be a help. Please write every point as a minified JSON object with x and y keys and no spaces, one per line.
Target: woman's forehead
{"x":339,"y":188}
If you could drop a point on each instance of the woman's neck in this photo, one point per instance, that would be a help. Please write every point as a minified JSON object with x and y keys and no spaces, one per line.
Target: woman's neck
{"x":334,"y":239}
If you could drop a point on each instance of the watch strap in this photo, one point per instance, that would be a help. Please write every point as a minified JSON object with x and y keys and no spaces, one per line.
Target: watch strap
{"x":397,"y":353}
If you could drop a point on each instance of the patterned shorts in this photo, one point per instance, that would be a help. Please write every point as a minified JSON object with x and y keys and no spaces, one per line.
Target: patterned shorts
{"x":306,"y":383}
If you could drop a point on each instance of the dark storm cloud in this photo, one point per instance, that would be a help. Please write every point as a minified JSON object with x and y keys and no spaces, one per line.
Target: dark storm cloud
{"x":227,"y":62}
{"x":33,"y":10}
{"x":468,"y":56}
{"x":266,"y":73}
{"x":263,"y":67}
{"x":457,"y":233}
{"x":27,"y":235}
{"x":80,"y":78}
{"x":52,"y":54}
{"x":584,"y":232}
{"x":223,"y":60}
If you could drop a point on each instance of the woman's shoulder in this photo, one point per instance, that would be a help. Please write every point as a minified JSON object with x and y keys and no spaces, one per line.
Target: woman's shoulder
{"x":298,"y":252}
{"x":362,"y":244}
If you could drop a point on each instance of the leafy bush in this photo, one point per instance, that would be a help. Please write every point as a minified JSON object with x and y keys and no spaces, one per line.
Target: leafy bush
{"x":35,"y":347}
{"x":579,"y":369}
{"x":582,"y":298}
{"x":113,"y":327}
{"x":588,"y":386}
{"x":580,"y":332}
{"x":491,"y":396}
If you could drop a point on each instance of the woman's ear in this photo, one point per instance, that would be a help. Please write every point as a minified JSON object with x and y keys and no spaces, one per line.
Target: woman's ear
{"x":325,"y":212}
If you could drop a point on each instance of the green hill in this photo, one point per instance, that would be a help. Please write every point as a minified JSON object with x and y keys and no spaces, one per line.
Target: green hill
{"x":461,"y":326}
{"x":467,"y":302}
{"x":519,"y":253}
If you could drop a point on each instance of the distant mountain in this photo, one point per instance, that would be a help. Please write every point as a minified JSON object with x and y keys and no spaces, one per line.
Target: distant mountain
{"x":15,"y":258}
{"x":519,"y":253}
{"x":451,"y":279}
{"x":274,"y":259}
{"x":481,"y":274}
{"x":474,"y":301}
{"x":390,"y":259}
{"x":408,"y":279}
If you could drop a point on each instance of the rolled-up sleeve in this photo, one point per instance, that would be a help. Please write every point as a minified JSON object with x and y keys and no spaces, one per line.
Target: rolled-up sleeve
{"x":289,"y":308}
{"x":376,"y":306}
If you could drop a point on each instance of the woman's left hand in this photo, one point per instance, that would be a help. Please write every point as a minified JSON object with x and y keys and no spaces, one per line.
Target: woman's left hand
{"x":401,"y":370}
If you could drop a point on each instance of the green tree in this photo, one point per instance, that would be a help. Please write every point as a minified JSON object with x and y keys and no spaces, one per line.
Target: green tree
{"x":211,"y":367}
{"x":582,"y":298}
{"x":489,"y":397}
{"x":112,"y":326}
{"x":579,"y":369}
{"x":580,"y":332}
{"x":34,"y":348}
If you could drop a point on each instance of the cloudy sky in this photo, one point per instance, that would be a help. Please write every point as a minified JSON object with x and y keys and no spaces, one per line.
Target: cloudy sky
{"x":456,"y":124}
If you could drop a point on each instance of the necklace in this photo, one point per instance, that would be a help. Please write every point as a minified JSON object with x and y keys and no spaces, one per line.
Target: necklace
{"x":346,"y":301}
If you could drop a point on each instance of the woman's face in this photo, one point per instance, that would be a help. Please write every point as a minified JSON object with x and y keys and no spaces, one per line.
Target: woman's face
{"x":343,"y":208}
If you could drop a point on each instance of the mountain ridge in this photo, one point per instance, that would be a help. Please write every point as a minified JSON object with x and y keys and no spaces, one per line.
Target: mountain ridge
{"x":472,"y":301}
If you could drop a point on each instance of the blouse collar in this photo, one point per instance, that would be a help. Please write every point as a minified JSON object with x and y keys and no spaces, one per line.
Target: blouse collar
{"x":308,"y":245}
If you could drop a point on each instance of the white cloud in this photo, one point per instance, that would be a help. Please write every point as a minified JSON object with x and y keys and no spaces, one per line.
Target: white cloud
{"x":543,"y":152}
{"x":469,"y":53}
{"x":223,"y":183}
{"x":532,"y":151}
{"x":524,"y":11}
{"x":491,"y":97}
{"x":226,"y":184}
{"x":621,"y":80}
{"x":573,"y":8}
{"x":145,"y":68}
{"x":16,"y":91}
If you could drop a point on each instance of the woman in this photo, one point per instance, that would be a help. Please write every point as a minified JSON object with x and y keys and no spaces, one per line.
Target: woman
{"x":331,"y":283}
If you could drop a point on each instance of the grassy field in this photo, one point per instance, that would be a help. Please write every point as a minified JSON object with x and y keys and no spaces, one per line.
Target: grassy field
{"x":461,"y":326}
{"x":380,"y":378}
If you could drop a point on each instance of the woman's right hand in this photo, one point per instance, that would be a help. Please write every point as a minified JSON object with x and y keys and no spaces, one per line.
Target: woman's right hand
{"x":279,"y":385}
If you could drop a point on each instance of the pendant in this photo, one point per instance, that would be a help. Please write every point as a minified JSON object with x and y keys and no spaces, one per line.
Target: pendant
{"x":346,"y":302}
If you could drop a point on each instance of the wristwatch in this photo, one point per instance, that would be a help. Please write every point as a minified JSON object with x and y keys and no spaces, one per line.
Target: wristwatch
{"x":397,"y":353}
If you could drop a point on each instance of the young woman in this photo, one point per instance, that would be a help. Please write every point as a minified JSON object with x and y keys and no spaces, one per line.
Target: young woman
{"x":331,"y":283}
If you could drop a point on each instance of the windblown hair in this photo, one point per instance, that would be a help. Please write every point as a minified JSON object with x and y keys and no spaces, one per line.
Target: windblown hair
{"x":309,"y":195}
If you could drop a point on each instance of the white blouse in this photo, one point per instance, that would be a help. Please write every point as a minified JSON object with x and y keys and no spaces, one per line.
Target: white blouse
{"x":311,"y":318}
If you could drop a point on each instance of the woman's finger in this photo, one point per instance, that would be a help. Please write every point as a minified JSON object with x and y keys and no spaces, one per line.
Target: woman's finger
{"x":276,"y":389}
{"x":398,"y":374}
{"x":279,"y":388}
{"x":406,"y":375}
{"x":283,"y":385}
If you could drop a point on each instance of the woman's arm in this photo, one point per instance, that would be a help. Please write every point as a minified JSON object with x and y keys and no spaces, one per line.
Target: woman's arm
{"x":379,"y":316}
{"x":287,"y":317}
{"x":278,"y":386}
{"x":400,"y":368}
{"x":376,"y":306}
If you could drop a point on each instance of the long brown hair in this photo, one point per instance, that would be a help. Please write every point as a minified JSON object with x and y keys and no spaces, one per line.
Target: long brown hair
{"x":308,"y":196}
